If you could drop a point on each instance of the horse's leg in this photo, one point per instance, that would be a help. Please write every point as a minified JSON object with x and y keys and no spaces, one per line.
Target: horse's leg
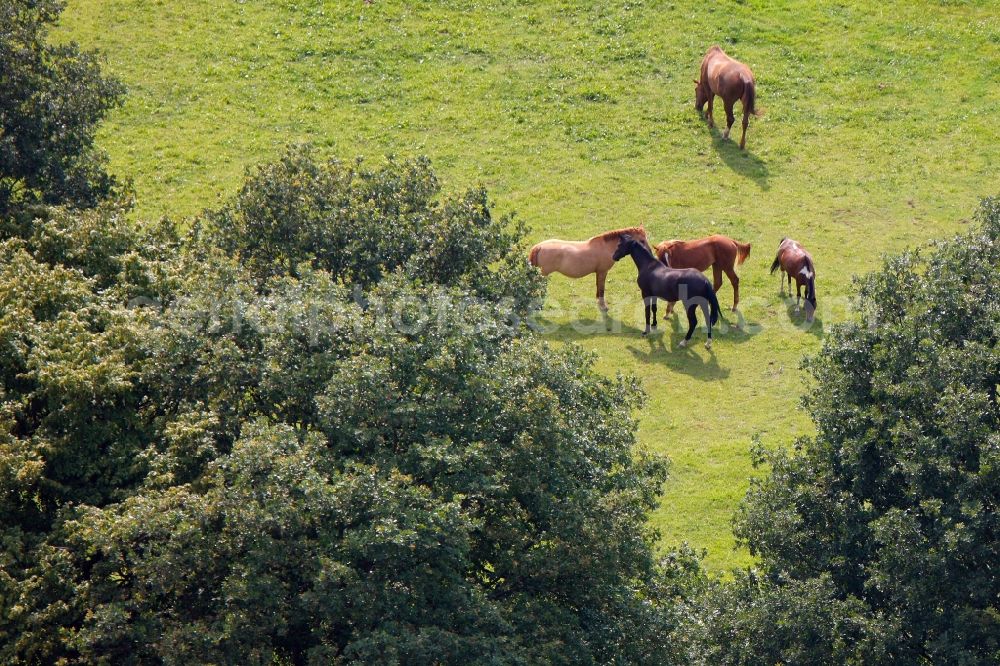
{"x":670,"y":307}
{"x":711,"y":99}
{"x":706,"y":310}
{"x":781,"y":276}
{"x":601,"y":277}
{"x":692,"y":323}
{"x":746,"y":121}
{"x":646,"y":301}
{"x":798,"y":295}
{"x":730,"y":118}
{"x":717,"y":277}
{"x":734,"y":280}
{"x":654,"y":310}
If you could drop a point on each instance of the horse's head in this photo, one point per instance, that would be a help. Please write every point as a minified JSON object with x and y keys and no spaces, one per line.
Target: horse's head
{"x":811,"y":299}
{"x":700,"y":95}
{"x":809,"y":273}
{"x":625,"y":245}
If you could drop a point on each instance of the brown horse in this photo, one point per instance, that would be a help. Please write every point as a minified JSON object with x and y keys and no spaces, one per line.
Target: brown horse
{"x":793,"y":259}
{"x":731,"y":80}
{"x":722,"y":253}
{"x":576,"y":259}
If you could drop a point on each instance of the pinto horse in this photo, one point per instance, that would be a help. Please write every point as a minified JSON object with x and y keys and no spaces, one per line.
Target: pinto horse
{"x":793,"y":259}
{"x":671,"y":284}
{"x":731,"y":80}
{"x":722,"y":253}
{"x":577,"y":259}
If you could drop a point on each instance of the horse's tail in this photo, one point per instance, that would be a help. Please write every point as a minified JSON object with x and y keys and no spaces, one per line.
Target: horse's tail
{"x":749,"y":95}
{"x":713,"y":302}
{"x":742,"y":252}
{"x":533,"y":255}
{"x":776,"y":263}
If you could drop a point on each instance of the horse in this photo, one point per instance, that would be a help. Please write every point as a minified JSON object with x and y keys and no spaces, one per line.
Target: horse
{"x":731,"y":80}
{"x":793,"y":259}
{"x":671,"y":284}
{"x":577,"y":259}
{"x":722,"y":253}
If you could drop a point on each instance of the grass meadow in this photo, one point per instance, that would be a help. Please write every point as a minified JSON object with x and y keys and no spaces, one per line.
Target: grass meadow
{"x":879,"y":132}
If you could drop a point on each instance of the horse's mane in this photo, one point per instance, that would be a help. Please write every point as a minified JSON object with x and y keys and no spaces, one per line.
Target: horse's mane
{"x":617,"y":233}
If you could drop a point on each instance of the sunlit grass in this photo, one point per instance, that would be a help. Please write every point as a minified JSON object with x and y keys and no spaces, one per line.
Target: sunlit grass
{"x":879,"y":132}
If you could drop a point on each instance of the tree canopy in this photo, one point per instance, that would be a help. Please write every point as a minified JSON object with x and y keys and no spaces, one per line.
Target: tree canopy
{"x":878,"y":537}
{"x":52,"y":98}
{"x":223,"y":450}
{"x":314,"y":427}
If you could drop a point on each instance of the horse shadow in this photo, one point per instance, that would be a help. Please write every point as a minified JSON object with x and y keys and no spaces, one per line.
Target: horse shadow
{"x":684,"y":360}
{"x":798,"y":318}
{"x":742,"y":162}
{"x":732,"y":327}
{"x":680,"y":359}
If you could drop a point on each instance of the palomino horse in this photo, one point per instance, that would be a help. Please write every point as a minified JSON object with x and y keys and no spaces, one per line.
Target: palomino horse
{"x":793,"y":259}
{"x":722,"y":253}
{"x":576,"y":259}
{"x":671,"y":284}
{"x":729,"y":79}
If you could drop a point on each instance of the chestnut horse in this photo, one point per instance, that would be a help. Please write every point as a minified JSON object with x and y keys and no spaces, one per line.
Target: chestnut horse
{"x":671,"y":284}
{"x":722,"y":253}
{"x":731,"y":80}
{"x":576,"y":259}
{"x":793,"y":259}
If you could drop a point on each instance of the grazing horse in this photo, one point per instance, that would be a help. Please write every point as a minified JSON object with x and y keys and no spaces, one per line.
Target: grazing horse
{"x":722,"y":253}
{"x":671,"y":284}
{"x":576,"y":259}
{"x":793,"y":259}
{"x":731,"y":80}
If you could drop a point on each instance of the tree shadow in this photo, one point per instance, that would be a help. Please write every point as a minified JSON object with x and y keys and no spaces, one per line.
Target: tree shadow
{"x":583,"y":328}
{"x":742,"y":162}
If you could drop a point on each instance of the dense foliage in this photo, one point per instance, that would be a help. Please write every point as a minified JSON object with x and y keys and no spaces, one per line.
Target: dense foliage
{"x":879,"y":538}
{"x":360,"y":225}
{"x":316,"y":429}
{"x":51,"y":99}
{"x":219,"y":449}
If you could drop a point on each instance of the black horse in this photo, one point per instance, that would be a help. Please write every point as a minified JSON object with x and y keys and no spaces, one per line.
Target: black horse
{"x":671,"y":284}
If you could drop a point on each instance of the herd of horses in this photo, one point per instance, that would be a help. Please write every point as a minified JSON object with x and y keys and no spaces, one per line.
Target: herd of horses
{"x":675,"y":270}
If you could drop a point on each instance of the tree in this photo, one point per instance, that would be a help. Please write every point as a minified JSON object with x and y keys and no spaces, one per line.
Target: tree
{"x":888,"y":516}
{"x":258,"y":464}
{"x":52,"y":98}
{"x":360,"y":224}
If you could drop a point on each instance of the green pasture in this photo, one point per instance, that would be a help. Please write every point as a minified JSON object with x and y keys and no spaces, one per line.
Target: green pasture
{"x":879,"y":132}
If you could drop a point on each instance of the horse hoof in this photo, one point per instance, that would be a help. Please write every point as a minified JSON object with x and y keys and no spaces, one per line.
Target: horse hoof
{"x":682,"y":343}
{"x":645,"y":333}
{"x":708,"y":345}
